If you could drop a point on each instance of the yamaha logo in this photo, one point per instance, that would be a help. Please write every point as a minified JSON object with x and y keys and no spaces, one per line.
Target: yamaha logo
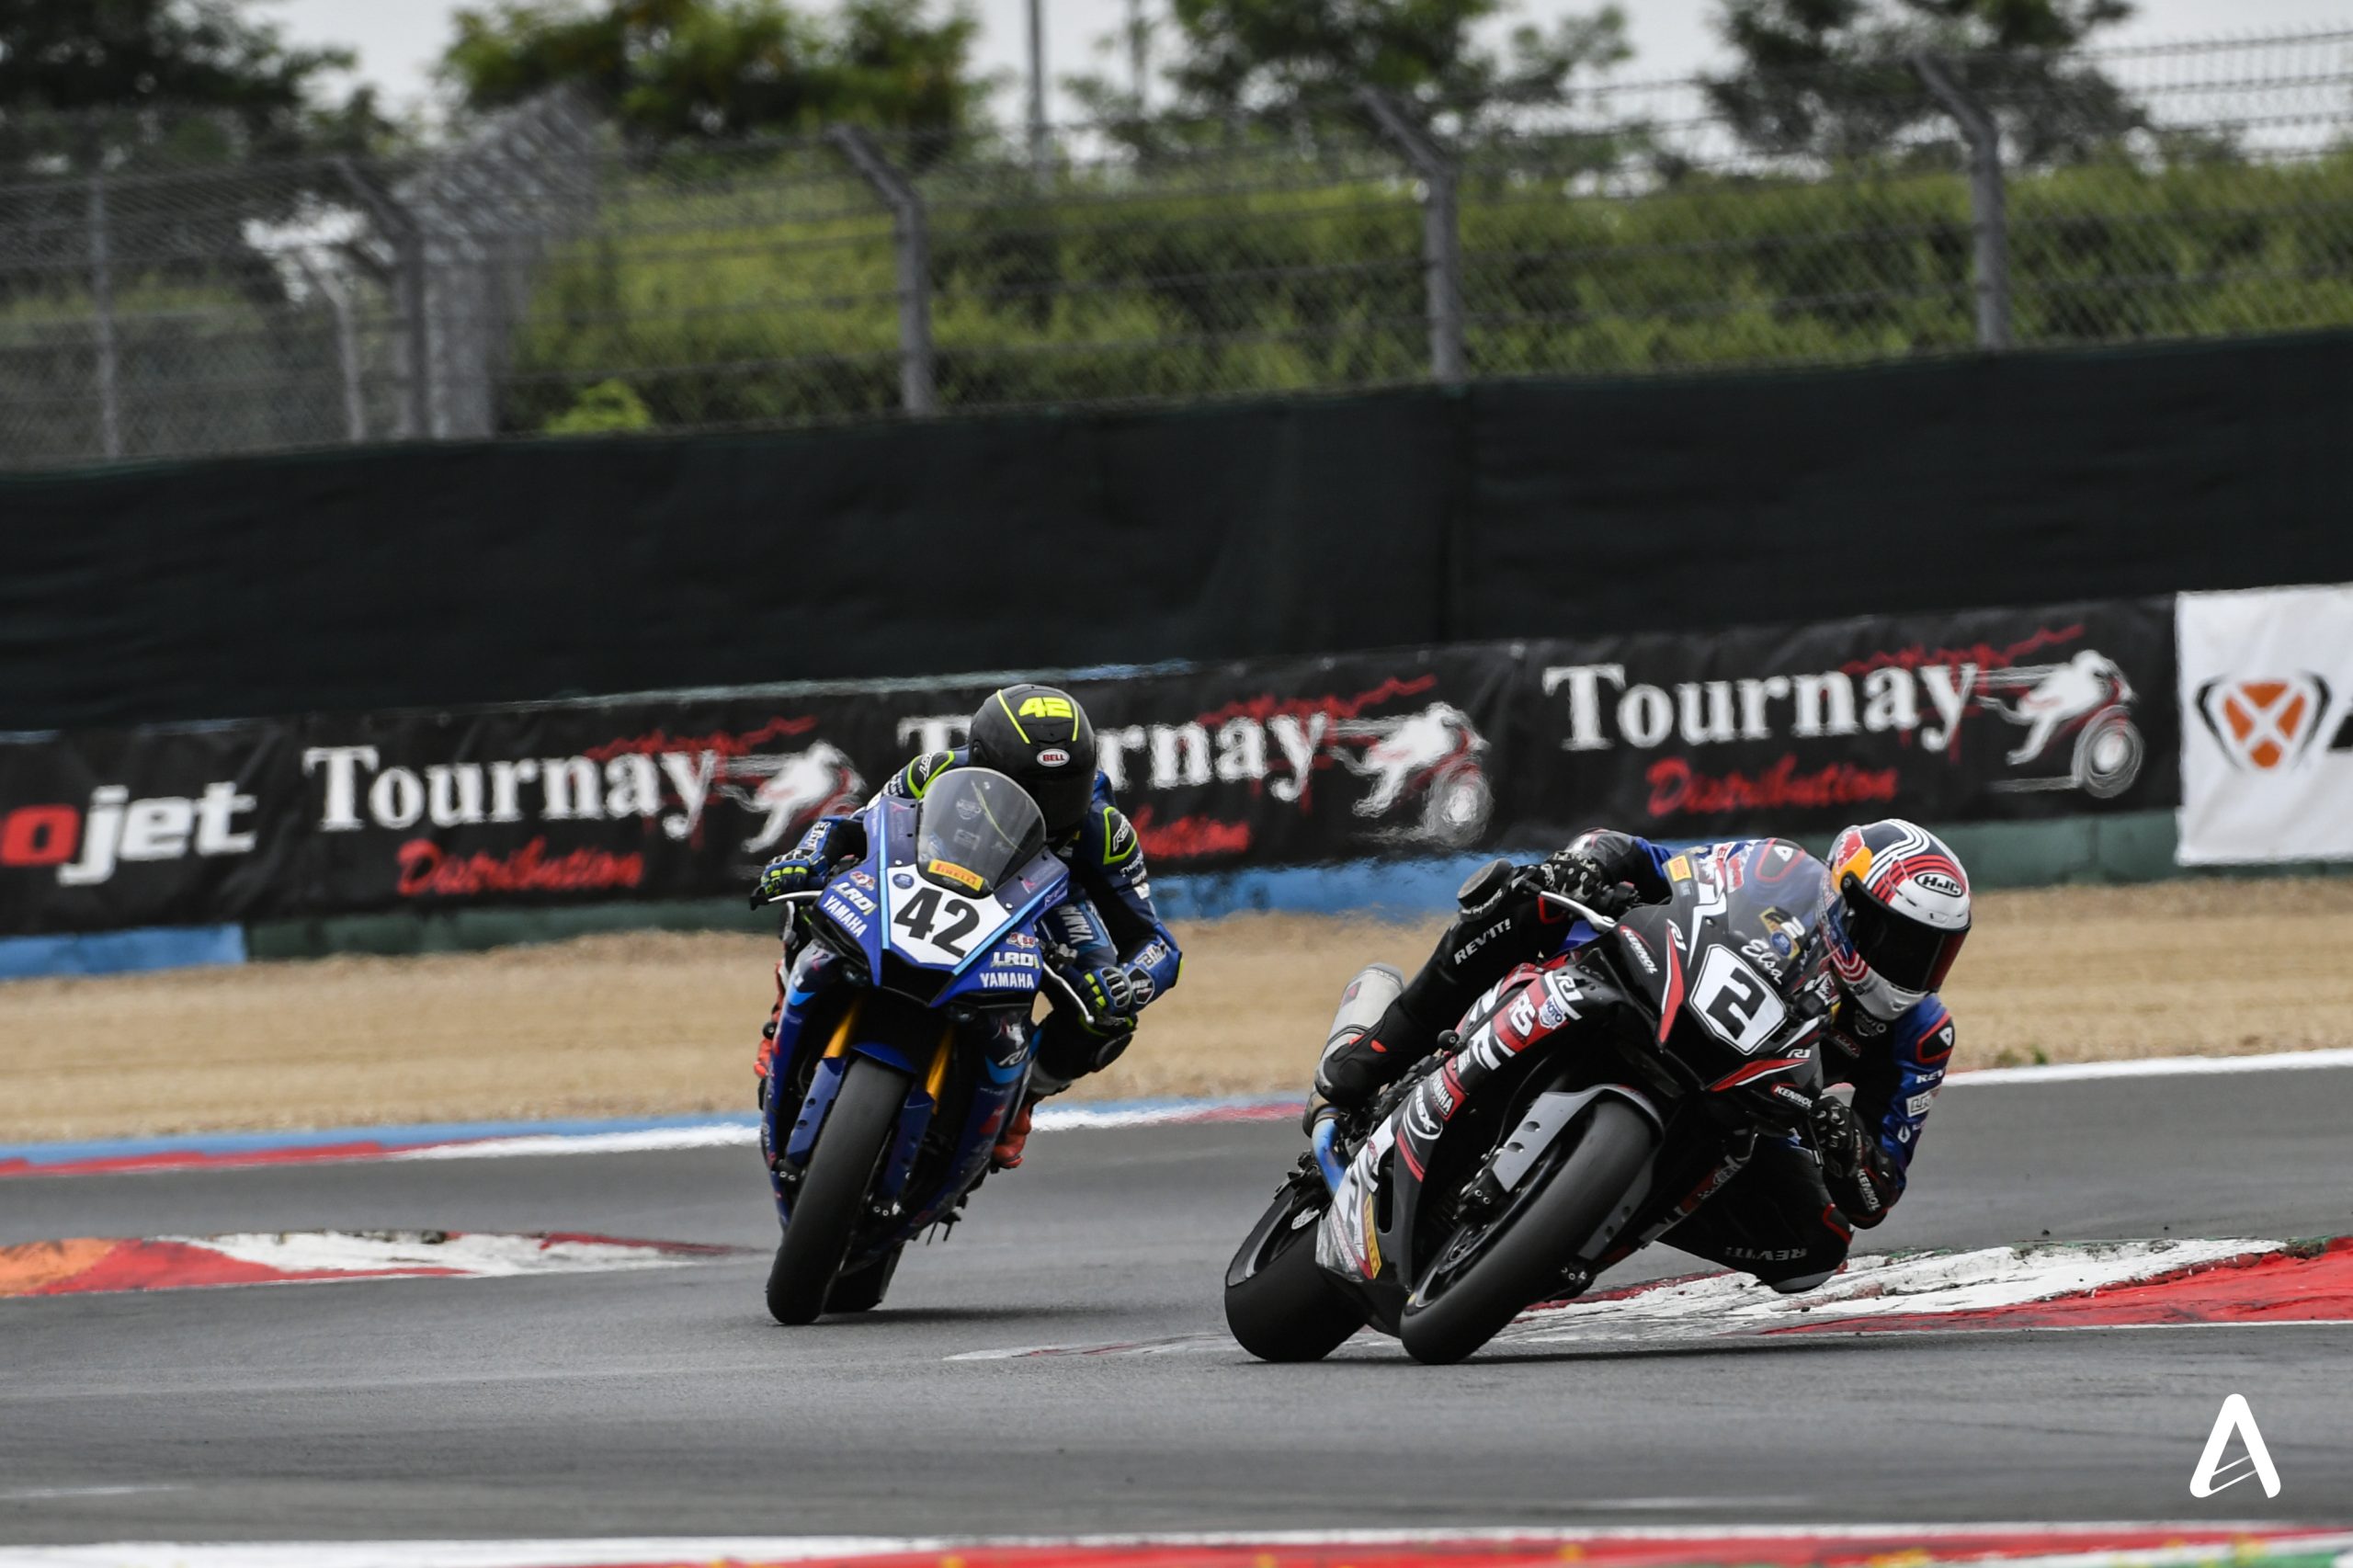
{"x":1053,"y":757}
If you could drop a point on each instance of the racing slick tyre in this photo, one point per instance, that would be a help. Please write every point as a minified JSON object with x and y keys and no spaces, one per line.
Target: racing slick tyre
{"x":1493,"y":1269}
{"x":862,"y":1290}
{"x":833,"y":1196}
{"x":1279,"y":1304}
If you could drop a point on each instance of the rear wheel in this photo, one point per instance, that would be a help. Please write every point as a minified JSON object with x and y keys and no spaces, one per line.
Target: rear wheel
{"x":835,"y":1194}
{"x":1279,"y":1305}
{"x":1490,"y":1271}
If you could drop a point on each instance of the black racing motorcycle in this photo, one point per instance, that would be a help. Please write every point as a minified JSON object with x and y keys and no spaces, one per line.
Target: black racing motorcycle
{"x":1581,"y":1109}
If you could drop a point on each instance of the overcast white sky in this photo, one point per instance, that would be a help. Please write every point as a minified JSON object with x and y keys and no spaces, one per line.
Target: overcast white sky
{"x":399,"y":40}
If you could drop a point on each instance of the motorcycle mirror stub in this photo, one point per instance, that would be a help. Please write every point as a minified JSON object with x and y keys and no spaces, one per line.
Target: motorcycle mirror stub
{"x":1481,"y":886}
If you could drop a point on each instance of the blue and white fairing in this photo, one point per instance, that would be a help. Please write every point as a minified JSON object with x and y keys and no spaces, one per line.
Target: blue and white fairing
{"x":972,"y":925}
{"x":943,"y":911}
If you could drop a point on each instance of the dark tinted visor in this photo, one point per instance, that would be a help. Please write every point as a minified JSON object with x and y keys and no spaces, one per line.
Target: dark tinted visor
{"x":1904,"y":952}
{"x":1061,"y":794}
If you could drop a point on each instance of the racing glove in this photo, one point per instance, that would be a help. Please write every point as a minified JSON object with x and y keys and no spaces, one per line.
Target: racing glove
{"x":805,"y":868}
{"x":1115,"y":994}
{"x":1577,"y":874}
{"x":1854,"y":1168}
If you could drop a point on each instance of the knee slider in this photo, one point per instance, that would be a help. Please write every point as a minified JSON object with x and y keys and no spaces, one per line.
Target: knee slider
{"x":1798,"y":1283}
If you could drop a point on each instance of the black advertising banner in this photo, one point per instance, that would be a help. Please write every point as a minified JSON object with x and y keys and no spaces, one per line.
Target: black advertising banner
{"x":1245,"y":764}
{"x":1982,"y":715}
{"x":1998,"y":714}
{"x":1309,"y":761}
{"x":147,"y":827}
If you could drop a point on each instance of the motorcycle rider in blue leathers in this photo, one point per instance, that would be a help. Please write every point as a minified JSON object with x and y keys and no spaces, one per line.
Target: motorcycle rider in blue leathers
{"x":1898,"y":918}
{"x":1120,"y":957}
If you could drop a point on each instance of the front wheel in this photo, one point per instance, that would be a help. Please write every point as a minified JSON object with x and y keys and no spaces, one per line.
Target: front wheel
{"x":863,"y":1291}
{"x":1488,"y":1274}
{"x":1279,"y":1305}
{"x":835,"y":1194}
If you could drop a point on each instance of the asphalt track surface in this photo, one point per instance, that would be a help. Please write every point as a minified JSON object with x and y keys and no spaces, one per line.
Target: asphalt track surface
{"x":666,"y":1402}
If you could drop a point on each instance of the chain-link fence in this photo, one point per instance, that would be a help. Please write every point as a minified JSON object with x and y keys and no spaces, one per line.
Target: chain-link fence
{"x":547,"y":276}
{"x":177,"y":299}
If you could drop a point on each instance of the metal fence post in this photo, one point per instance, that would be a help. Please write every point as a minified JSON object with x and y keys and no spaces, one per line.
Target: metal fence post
{"x":1988,"y":206}
{"x":1442,"y":234}
{"x":911,"y":239}
{"x":408,"y":250}
{"x":347,"y":345}
{"x":102,"y":299}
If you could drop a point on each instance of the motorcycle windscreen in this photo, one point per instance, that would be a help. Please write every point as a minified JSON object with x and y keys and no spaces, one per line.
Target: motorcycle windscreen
{"x":974,"y":829}
{"x":1752,"y":921}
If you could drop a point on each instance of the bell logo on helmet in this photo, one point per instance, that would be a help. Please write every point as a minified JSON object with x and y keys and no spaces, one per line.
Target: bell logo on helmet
{"x":1053,"y":757}
{"x":1046,"y":708}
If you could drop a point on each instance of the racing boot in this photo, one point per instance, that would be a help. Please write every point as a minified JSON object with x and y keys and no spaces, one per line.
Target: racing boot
{"x":1357,"y":1060}
{"x":764,"y":1060}
{"x":1013,"y":1136}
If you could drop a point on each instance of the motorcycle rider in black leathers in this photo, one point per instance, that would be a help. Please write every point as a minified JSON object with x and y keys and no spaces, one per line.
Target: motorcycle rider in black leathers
{"x":1899,"y":915}
{"x":1121,"y":956}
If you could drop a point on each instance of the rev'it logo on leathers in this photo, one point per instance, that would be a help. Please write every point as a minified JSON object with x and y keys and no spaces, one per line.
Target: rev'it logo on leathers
{"x":2266,"y":722}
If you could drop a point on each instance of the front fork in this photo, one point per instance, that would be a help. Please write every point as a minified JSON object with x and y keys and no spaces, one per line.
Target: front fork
{"x":791,"y":1123}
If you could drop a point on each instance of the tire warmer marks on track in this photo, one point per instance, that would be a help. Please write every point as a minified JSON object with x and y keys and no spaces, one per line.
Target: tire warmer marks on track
{"x":2084,"y":1546}
{"x":101,"y":1264}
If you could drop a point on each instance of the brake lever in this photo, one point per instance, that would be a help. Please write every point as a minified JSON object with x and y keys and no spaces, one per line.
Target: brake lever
{"x":1592,"y":917}
{"x":1067,"y":989}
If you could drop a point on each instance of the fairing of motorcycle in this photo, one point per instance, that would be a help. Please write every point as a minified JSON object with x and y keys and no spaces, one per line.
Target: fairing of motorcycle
{"x":906,"y":1036}
{"x":1584,"y":1107}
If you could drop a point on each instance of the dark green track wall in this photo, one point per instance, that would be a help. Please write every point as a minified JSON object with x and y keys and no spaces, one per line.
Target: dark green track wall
{"x":425,"y":575}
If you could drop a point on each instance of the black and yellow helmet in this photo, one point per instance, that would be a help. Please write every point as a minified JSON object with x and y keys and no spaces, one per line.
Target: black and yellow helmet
{"x":1039,"y":736}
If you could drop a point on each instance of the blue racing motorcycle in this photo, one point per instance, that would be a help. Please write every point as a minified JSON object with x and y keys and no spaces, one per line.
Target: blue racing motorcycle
{"x":906,"y":1037}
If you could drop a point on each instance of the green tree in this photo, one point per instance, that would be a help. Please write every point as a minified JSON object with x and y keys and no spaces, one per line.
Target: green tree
{"x":715,"y":68}
{"x":85,"y":81}
{"x":1832,"y":78}
{"x":1270,"y":55}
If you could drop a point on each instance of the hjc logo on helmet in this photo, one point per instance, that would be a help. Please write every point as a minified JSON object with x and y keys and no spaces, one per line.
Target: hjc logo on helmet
{"x":1937,"y":882}
{"x":2265,"y":722}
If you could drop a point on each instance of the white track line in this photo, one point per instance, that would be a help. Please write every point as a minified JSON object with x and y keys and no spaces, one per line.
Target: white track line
{"x":2156,"y":1067}
{"x":717,"y":1135}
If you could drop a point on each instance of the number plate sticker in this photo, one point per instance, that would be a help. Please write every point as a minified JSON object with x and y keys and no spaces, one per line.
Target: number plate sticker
{"x":933,"y":927}
{"x":1734,"y":1002}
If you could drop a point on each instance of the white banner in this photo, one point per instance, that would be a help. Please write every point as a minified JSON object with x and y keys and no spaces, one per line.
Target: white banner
{"x":2266,"y":725}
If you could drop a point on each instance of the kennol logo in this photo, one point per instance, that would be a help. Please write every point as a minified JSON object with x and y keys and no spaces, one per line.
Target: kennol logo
{"x":86,"y":844}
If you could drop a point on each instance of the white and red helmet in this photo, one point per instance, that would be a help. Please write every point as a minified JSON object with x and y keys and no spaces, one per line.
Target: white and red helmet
{"x":1901,"y":914}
